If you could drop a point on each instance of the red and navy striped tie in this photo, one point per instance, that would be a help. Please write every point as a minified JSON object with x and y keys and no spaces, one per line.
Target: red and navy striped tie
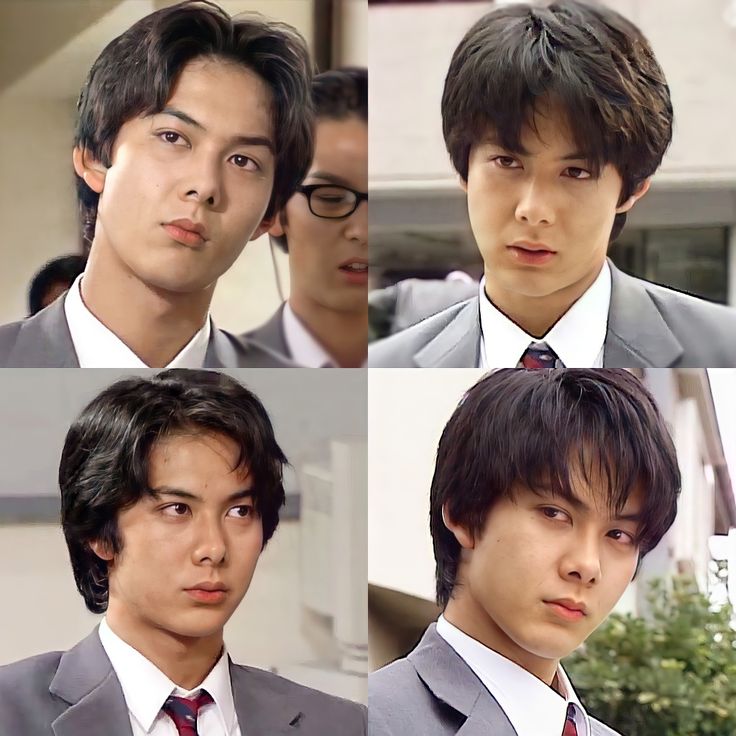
{"x":183,"y":711}
{"x":570,"y":728}
{"x":539,"y":355}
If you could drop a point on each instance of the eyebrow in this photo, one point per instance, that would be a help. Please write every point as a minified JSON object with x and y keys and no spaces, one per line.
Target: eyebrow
{"x":245,"y":140}
{"x":332,"y":178}
{"x":157,"y":493}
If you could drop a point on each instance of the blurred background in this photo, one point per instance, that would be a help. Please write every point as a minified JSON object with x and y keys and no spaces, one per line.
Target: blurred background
{"x":682,"y":234}
{"x":46,"y":49}
{"x":653,"y":643}
{"x":304,"y":615}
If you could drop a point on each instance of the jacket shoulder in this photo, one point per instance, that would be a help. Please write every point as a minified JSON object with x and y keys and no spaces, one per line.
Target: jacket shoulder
{"x":397,"y":351}
{"x":25,"y":700}
{"x":8,"y":336}
{"x":328,"y":709}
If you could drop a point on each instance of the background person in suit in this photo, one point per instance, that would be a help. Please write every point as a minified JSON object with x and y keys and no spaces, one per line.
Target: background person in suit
{"x":324,"y":228}
{"x":549,"y":487}
{"x":170,"y":489}
{"x":555,"y":119}
{"x":53,"y":279}
{"x":193,"y":130}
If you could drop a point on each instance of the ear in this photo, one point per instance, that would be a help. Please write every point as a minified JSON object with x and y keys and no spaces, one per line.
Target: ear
{"x":264,"y":227}
{"x":277,"y":226}
{"x":641,"y":190}
{"x":461,"y":533}
{"x":463,"y":183}
{"x":89,"y":169}
{"x":102,"y":550}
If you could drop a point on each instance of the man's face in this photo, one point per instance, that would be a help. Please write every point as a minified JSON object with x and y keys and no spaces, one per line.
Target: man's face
{"x":328,"y":259}
{"x":537,"y":550}
{"x":201,"y":160}
{"x":542,"y":221}
{"x":200,"y":529}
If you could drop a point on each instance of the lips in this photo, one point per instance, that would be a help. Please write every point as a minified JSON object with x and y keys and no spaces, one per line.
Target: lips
{"x":186,"y":232}
{"x":530,"y":253}
{"x":570,"y":605}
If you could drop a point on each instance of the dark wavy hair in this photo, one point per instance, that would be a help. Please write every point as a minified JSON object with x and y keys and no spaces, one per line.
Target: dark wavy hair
{"x":598,"y":65}
{"x":104,"y":463}
{"x":135,"y":73}
{"x":539,"y":428}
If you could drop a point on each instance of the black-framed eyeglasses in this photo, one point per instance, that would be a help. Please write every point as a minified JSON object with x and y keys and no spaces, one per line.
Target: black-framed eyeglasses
{"x":331,"y":201}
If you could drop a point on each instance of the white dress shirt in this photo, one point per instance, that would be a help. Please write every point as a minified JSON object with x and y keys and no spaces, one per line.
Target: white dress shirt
{"x":303,"y":346}
{"x":97,"y":346}
{"x":146,"y":688}
{"x":533,"y":708}
{"x":577,"y":337}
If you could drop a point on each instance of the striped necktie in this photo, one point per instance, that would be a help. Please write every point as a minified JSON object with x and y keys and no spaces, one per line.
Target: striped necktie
{"x":570,"y":728}
{"x":539,"y":355}
{"x":183,"y":711}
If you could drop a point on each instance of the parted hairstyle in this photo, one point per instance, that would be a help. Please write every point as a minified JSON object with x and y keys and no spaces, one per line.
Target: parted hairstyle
{"x":135,"y":74}
{"x":543,"y":429}
{"x":104,"y":463}
{"x":592,"y":61}
{"x":336,"y":94}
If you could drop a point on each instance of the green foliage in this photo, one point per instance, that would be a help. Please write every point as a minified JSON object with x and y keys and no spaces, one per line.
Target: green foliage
{"x":671,"y":675}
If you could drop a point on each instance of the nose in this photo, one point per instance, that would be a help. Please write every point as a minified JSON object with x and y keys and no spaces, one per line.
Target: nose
{"x":535,"y":206}
{"x":356,"y":226}
{"x":582,"y":562}
{"x":210,"y":545}
{"x":202,"y":181}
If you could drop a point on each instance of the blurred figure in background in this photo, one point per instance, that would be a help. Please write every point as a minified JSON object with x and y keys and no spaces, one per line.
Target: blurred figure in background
{"x":54,"y":278}
{"x":324,"y":229}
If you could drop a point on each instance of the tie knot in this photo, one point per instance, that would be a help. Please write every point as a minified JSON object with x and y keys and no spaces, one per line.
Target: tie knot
{"x":183,"y":711}
{"x":570,"y":727}
{"x":539,"y":355}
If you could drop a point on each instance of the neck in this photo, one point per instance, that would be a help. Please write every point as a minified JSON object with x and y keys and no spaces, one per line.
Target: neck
{"x":536,"y":315}
{"x":343,"y":334}
{"x":155,"y":324}
{"x":474,"y":621}
{"x":186,"y":661}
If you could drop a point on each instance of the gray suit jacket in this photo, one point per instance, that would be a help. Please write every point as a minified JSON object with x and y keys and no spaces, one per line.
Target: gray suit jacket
{"x":649,"y":326}
{"x":433,"y":692}
{"x":77,"y":693}
{"x":271,"y":334}
{"x":44,"y":341}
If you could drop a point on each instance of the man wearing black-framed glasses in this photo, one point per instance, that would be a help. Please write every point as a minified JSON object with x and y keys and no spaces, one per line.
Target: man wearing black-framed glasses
{"x":324,"y":230}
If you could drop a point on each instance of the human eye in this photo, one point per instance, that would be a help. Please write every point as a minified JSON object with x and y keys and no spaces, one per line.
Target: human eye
{"x":506,"y":162}
{"x":244,"y":511}
{"x":553,"y":513}
{"x":575,"y":172}
{"x":244,"y":162}
{"x":623,"y":537}
{"x":172,"y":137}
{"x":175,"y":510}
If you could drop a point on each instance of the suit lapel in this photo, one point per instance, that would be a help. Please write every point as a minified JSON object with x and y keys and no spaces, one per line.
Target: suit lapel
{"x":86,"y":680}
{"x":453,"y":682}
{"x":271,"y":334}
{"x":44,"y":340}
{"x":457,"y":344}
{"x":638,"y":336}
{"x":261,"y":709}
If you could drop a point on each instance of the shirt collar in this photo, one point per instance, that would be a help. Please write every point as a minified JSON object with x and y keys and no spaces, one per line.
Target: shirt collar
{"x":303,"y":346}
{"x":577,"y":337}
{"x":514,"y":688}
{"x":146,"y":688}
{"x":97,"y":346}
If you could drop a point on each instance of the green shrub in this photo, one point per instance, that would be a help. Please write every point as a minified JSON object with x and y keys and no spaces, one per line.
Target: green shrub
{"x":671,"y":675}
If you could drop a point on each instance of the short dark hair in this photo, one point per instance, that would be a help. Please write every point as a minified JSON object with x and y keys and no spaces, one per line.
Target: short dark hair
{"x":337,"y":94}
{"x":135,"y":73}
{"x":61,"y":270}
{"x":538,"y":428}
{"x":104,"y":463}
{"x":594,"y":61}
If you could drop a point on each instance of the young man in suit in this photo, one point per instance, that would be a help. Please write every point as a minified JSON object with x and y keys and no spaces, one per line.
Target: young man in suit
{"x":549,"y":488}
{"x":194,"y":129}
{"x":324,"y":229}
{"x":555,"y":119}
{"x":170,"y":489}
